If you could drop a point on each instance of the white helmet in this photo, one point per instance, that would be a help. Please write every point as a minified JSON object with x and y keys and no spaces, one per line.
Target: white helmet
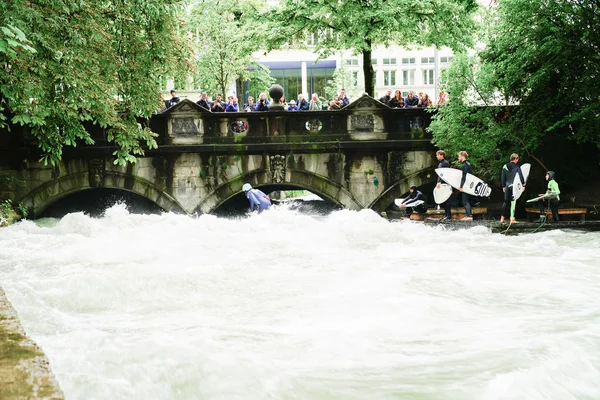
{"x":246,"y":187}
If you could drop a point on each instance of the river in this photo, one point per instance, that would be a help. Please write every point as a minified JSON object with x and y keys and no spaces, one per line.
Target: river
{"x":288,"y":305}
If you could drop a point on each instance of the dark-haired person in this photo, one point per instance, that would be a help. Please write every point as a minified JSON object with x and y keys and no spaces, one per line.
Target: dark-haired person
{"x":441,"y":157}
{"x":552,"y":195}
{"x":343,"y":98}
{"x":466,"y":198}
{"x":174,"y":99}
{"x":203,"y":102}
{"x":217,"y":105}
{"x":414,"y":197}
{"x":509,"y":171}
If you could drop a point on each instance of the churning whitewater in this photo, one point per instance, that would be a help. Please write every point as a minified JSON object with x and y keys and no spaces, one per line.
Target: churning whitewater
{"x":285,"y":305}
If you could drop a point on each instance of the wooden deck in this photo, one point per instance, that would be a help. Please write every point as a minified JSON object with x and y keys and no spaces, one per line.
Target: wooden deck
{"x":533,"y":213}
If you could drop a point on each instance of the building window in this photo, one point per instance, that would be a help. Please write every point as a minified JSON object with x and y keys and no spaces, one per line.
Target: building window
{"x":427,"y":60}
{"x":446,"y":60}
{"x":408,"y":77}
{"x":374,"y":61}
{"x":353,"y":61}
{"x":428,"y":77}
{"x":389,"y":78}
{"x":408,"y":61}
{"x":389,"y":61}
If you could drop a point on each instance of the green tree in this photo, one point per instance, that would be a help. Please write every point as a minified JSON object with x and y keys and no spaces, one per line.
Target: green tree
{"x":534,"y":82}
{"x":359,"y":25}
{"x":227,"y":33}
{"x":342,"y":78}
{"x":94,"y":62}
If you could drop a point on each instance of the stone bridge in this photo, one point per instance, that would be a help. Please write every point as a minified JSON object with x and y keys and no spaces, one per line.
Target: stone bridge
{"x":362,"y":156}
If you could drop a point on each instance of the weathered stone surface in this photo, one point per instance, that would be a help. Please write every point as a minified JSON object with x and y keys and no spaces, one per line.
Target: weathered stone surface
{"x":24,"y":369}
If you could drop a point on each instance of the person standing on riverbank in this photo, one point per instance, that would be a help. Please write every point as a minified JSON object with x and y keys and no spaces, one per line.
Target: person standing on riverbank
{"x":509,"y":171}
{"x":466,"y":169}
{"x":256,"y":198}
{"x":553,"y":197}
{"x":441,"y":157}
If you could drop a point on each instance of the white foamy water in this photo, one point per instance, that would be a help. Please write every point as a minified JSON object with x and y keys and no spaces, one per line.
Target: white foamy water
{"x":286,"y":306}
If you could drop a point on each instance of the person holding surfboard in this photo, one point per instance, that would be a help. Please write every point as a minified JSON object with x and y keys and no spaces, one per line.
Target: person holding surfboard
{"x":415,"y":201}
{"x":466,"y":169}
{"x":441,"y":157}
{"x":509,"y":171}
{"x":553,"y":196}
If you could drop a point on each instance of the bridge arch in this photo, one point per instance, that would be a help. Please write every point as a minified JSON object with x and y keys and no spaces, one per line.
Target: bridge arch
{"x":302,"y":179}
{"x":49,"y":193}
{"x":401,"y":187}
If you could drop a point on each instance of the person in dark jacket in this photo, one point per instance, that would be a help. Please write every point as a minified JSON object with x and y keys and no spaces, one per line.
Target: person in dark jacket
{"x":441,"y":157}
{"x":509,"y":171}
{"x":343,"y":98}
{"x":302,"y":103}
{"x":263,"y":103}
{"x":411,"y":101}
{"x":416,"y":201}
{"x":466,"y":169}
{"x":386,"y":99}
{"x":217,"y":105}
{"x":203,"y":102}
{"x":174,"y":99}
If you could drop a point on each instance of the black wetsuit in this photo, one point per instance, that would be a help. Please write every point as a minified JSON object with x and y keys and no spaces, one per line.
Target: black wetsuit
{"x":509,"y":171}
{"x":415,"y":196}
{"x":466,"y":198}
{"x":447,"y":207}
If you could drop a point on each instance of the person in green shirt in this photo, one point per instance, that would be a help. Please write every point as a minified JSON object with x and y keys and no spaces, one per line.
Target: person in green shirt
{"x":552,"y":195}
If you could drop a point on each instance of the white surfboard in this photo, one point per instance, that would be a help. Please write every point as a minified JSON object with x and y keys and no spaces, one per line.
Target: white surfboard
{"x":398,"y":202}
{"x":442,"y":193}
{"x":546,"y":196}
{"x":473,"y":185}
{"x":517,"y":184}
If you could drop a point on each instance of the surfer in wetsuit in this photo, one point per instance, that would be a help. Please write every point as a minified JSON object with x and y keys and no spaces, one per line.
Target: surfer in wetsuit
{"x":414,"y":197}
{"x":509,"y":171}
{"x":466,"y":169}
{"x":553,"y":197}
{"x":256,"y":198}
{"x":441,"y":157}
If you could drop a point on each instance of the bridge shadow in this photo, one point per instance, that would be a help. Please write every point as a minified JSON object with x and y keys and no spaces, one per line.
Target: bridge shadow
{"x":308,"y":202}
{"x":95,"y":201}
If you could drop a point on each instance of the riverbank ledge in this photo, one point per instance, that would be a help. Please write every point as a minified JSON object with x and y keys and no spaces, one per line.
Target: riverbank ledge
{"x":24,"y":368}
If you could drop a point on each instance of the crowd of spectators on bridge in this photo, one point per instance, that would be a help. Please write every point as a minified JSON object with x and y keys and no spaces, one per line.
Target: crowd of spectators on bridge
{"x":411,"y":101}
{"x":339,"y":101}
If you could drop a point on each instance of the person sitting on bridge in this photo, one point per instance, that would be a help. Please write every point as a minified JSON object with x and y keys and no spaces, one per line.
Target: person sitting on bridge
{"x":553,"y":197}
{"x":416,"y":201}
{"x":257,"y":198}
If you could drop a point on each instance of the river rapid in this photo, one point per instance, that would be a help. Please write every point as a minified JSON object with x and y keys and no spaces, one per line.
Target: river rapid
{"x":287,"y":305}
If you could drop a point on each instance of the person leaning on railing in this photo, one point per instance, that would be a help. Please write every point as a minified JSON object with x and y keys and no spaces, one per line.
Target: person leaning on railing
{"x":315,"y":104}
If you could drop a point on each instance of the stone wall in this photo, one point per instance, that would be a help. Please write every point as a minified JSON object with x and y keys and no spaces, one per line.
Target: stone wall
{"x":24,"y":368}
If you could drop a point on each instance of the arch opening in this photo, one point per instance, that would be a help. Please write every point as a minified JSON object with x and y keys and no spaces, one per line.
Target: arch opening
{"x":294,"y":197}
{"x":95,"y":201}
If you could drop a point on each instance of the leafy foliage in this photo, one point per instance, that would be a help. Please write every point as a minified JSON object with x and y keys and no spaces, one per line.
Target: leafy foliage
{"x":535,"y":83}
{"x":342,"y":78}
{"x":227,"y":33}
{"x":360,"y":25}
{"x":85,"y":62}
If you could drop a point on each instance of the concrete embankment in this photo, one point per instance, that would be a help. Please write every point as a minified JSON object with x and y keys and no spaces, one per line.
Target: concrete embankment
{"x":24,"y":368}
